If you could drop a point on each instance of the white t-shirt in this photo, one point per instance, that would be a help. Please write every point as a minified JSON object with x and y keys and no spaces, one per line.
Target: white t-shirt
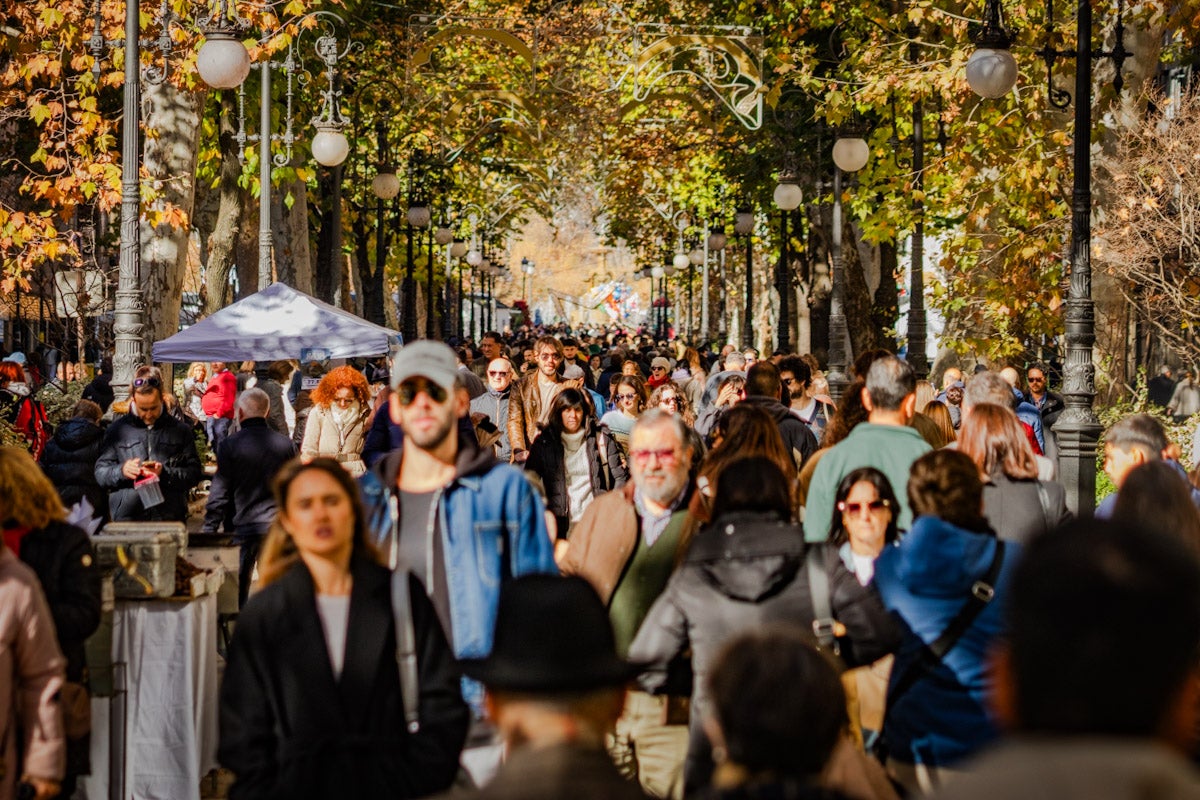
{"x":334,"y":611}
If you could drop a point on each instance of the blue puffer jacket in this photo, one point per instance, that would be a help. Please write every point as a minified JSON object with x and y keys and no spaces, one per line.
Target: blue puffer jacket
{"x":493,"y":527}
{"x":925,"y":580}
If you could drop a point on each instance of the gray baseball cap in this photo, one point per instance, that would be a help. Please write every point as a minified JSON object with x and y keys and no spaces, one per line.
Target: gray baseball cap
{"x":427,"y":359}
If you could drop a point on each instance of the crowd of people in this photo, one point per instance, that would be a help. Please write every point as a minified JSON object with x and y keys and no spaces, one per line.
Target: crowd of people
{"x":605,"y":566}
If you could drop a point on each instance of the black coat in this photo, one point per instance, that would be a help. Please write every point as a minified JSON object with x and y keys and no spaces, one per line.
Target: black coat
{"x":555,"y":772}
{"x":1052,"y":407}
{"x":547,"y":460}
{"x":69,"y":461}
{"x":169,"y":442}
{"x":1014,"y":510}
{"x":100,"y":391}
{"x":241,"y":495}
{"x":743,"y":571}
{"x":61,"y":555}
{"x":798,"y":439}
{"x":289,"y":731}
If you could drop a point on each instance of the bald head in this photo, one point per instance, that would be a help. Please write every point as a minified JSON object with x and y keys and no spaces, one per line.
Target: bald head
{"x":1011,"y":376}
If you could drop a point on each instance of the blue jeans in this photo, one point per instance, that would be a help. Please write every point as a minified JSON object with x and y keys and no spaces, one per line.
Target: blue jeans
{"x":216,"y":428}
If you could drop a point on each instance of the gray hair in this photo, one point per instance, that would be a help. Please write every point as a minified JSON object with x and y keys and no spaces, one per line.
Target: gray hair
{"x":656,"y":417}
{"x":889,"y":381}
{"x":735,"y":358}
{"x":253,"y":402}
{"x":988,"y":387}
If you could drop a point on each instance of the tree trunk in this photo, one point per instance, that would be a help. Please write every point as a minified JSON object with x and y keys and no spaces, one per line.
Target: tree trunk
{"x":169,"y":161}
{"x":293,"y":252}
{"x":222,"y":242}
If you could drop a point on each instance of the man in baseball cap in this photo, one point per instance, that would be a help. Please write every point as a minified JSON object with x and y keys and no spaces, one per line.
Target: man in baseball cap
{"x":461,"y":521}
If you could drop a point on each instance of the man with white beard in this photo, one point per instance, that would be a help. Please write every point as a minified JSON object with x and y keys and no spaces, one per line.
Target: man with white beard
{"x":627,"y":545}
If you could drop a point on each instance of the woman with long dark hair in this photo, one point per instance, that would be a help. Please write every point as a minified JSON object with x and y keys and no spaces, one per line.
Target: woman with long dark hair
{"x":575,"y":460}
{"x":311,"y":704}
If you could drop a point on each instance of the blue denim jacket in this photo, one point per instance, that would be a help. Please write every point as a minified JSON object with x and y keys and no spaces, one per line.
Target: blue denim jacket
{"x":493,"y":527}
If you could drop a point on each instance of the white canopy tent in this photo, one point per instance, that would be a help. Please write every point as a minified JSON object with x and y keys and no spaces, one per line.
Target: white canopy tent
{"x":276,"y":323}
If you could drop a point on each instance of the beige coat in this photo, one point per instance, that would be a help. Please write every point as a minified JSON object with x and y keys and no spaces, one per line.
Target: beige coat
{"x":32,"y":670}
{"x":322,"y":438}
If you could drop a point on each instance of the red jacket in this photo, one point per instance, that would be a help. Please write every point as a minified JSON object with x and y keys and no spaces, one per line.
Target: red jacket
{"x":220,"y":395}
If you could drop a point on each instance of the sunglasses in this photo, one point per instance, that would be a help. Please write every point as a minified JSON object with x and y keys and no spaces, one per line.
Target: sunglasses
{"x":407,"y":393}
{"x":153,"y":383}
{"x":669,"y":401}
{"x":658,"y":369}
{"x":665,"y":457}
{"x":498,"y":373}
{"x":627,"y":397}
{"x":858,"y":508}
{"x":1032,"y":379}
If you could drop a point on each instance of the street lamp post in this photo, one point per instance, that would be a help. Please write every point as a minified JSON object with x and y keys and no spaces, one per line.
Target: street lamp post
{"x":787,"y":199}
{"x":527,"y":268}
{"x":850,"y":154}
{"x":916,"y":299}
{"x":992,"y":72}
{"x":744,"y":226}
{"x":130,"y":303}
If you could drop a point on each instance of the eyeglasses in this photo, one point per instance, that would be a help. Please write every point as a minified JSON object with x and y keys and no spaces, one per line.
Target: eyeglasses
{"x":153,"y":383}
{"x":407,"y":393}
{"x":626,"y":396}
{"x":669,"y":401}
{"x":549,"y":357}
{"x":665,"y":457}
{"x":858,"y":508}
{"x":498,"y":373}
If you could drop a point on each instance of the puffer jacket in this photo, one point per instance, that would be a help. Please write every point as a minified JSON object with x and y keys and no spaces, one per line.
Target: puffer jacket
{"x":547,"y":460}
{"x":69,"y":461}
{"x":925,"y":580}
{"x":743,"y":571}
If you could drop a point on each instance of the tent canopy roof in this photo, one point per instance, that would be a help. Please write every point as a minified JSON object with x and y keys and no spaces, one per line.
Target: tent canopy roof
{"x":275,"y":323}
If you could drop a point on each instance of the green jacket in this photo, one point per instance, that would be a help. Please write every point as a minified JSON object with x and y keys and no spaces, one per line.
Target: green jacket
{"x":891,"y":449}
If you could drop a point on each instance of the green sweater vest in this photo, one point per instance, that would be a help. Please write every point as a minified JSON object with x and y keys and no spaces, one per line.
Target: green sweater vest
{"x":643,"y":581}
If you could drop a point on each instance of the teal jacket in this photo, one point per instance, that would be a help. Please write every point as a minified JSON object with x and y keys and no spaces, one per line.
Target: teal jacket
{"x":891,"y":449}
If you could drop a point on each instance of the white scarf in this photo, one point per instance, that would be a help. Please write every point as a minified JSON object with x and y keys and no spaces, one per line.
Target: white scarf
{"x":343,"y":417}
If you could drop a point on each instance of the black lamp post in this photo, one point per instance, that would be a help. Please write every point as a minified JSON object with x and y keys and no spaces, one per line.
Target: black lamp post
{"x":787,"y":198}
{"x":850,"y":153}
{"x":743,"y":226}
{"x":992,"y":72}
{"x":917,"y":358}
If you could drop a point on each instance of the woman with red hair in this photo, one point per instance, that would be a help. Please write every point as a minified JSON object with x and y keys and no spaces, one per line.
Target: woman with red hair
{"x":337,"y":422}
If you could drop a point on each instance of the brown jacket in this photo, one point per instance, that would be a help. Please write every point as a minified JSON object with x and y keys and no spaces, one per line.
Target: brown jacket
{"x":524,"y":411}
{"x":32,"y":669}
{"x":605,"y":537}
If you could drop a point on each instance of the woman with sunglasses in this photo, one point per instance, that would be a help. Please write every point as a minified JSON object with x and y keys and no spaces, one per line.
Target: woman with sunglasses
{"x":574,"y":460}
{"x":337,"y":423}
{"x":864,"y":523}
{"x":629,"y":391}
{"x":311,"y":703}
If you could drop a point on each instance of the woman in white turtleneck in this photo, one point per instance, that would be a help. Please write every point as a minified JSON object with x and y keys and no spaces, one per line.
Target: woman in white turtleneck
{"x":574,"y":460}
{"x":337,"y":423}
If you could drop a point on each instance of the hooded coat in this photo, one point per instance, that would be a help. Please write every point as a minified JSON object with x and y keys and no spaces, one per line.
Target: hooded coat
{"x":925,"y":580}
{"x":798,"y":439}
{"x":746,"y":570}
{"x":69,"y":461}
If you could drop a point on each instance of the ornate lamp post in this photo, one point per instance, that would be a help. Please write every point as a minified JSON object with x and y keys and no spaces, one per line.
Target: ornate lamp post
{"x":992,"y":72}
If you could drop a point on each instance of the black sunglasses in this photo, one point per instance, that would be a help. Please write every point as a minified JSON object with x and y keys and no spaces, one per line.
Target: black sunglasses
{"x":153,"y":383}
{"x":407,"y":393}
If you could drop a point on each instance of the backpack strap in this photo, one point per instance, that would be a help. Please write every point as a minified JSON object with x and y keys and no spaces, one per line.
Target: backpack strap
{"x":818,"y":588}
{"x":406,"y":649}
{"x":983,"y":591}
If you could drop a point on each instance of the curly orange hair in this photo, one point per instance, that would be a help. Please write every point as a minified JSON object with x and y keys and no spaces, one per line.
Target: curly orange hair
{"x":340,"y":378}
{"x":10,"y":371}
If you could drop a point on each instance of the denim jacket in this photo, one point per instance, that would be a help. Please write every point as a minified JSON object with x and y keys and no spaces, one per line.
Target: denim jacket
{"x":493,"y":527}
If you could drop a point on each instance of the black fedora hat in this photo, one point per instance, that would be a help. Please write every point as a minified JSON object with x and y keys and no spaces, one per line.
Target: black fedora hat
{"x":552,"y":635}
